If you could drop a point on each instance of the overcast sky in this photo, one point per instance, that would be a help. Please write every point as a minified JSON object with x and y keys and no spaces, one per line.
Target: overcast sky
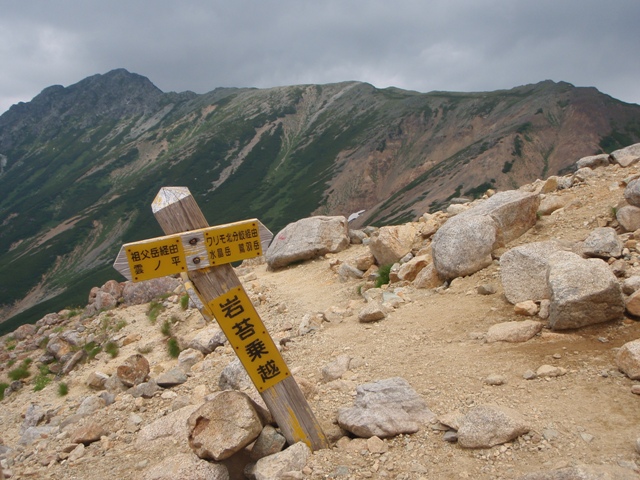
{"x":423,"y":45}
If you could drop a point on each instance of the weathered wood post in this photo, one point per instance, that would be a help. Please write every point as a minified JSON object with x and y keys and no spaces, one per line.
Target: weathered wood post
{"x":223,"y":297}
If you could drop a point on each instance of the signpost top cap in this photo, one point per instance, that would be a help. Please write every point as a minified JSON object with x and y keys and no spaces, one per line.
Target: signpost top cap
{"x":168,"y":195}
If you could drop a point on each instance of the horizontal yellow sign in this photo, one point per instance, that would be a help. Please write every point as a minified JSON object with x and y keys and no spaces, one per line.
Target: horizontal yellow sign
{"x":232,"y":243}
{"x":192,"y":250}
{"x":159,"y":258}
{"x":249,"y":338}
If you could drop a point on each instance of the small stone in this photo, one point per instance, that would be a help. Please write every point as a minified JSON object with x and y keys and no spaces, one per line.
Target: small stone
{"x":550,"y":371}
{"x":586,"y":437}
{"x":495,"y":379}
{"x":372,"y":312}
{"x":529,"y":375}
{"x":635,"y":389}
{"x":450,"y":436}
{"x":486,"y":289}
{"x":527,"y":308}
{"x":376,"y":445}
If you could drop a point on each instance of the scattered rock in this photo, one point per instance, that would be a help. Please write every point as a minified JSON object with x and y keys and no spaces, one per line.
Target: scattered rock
{"x":486,"y":289}
{"x":172,"y":378}
{"x":628,"y":217}
{"x":223,"y":426}
{"x":372,"y":312}
{"x":594,"y":161}
{"x":550,"y":371}
{"x":583,"y":292}
{"x":306,"y":239}
{"x":389,"y":244}
{"x":88,"y":434}
{"x":513,"y":332}
{"x":284,"y":464}
{"x":336,"y":368}
{"x":527,"y":308}
{"x":523,"y":271}
{"x":488,"y":425}
{"x":188,"y":358}
{"x":134,"y":370}
{"x":269,"y":442}
{"x":628,"y":359}
{"x":385,"y":408}
{"x":627,"y":156}
{"x":603,"y":243}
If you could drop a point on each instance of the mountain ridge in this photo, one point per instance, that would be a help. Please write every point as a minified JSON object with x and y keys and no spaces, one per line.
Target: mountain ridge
{"x":82,"y":163}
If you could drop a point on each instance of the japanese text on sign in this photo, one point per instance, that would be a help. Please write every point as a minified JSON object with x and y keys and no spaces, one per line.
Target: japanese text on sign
{"x":156,"y":259}
{"x":249,"y":338}
{"x":233,"y":243}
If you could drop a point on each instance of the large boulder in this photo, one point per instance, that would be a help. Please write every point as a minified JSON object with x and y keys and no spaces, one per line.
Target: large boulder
{"x":628,"y":359}
{"x":514,"y":211}
{"x":583,"y":292}
{"x":593,"y":161}
{"x":306,"y":239}
{"x":627,"y":156}
{"x":523,"y":271}
{"x":390,"y":244}
{"x":223,"y":426}
{"x":463,"y":245}
{"x":629,"y":218}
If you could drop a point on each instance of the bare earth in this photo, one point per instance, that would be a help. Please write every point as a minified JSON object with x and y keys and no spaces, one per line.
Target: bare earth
{"x":434,"y":341}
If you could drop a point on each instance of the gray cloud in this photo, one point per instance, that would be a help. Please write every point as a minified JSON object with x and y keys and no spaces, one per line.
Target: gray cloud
{"x":457,"y":45}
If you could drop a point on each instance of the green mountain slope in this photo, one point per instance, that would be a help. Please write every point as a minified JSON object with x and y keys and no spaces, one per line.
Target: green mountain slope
{"x":79,"y":166}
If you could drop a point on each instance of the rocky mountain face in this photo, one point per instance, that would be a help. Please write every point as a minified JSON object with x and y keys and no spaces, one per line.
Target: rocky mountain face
{"x":80,"y":165}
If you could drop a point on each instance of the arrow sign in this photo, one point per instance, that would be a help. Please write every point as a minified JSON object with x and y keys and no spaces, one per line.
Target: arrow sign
{"x":192,"y":250}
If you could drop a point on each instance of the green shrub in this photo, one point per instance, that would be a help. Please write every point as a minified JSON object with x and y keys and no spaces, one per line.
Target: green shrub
{"x":20,"y":372}
{"x":166,"y":328}
{"x":154,"y":310}
{"x":3,"y":387}
{"x":120,"y":325}
{"x":173,"y":347}
{"x":112,"y":349}
{"x":383,"y":275}
{"x":11,"y":344}
{"x":184,"y":301}
{"x":92,"y":349}
{"x":63,"y":389}
{"x":42,"y":379}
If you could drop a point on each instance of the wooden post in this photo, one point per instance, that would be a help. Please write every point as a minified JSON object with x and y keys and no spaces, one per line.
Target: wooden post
{"x":177,"y":211}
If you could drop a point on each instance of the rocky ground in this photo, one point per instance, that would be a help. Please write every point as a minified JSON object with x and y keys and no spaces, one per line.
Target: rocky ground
{"x":435,"y":339}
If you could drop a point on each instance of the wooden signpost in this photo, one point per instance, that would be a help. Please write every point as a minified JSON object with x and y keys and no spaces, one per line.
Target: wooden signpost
{"x":204,"y":254}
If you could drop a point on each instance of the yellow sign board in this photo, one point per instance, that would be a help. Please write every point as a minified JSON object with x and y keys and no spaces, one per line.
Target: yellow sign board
{"x":249,"y":338}
{"x":232,"y":243}
{"x":192,"y":250}
{"x":159,"y":258}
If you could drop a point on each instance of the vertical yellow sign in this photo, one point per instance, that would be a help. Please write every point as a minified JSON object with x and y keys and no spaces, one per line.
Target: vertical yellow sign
{"x":249,"y":338}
